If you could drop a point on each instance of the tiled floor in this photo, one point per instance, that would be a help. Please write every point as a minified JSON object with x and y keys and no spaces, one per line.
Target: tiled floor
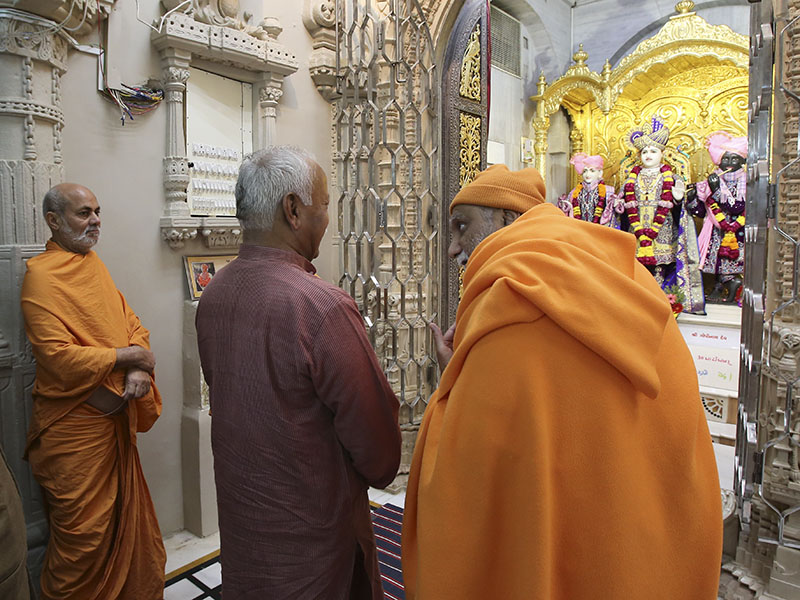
{"x":184,"y":549}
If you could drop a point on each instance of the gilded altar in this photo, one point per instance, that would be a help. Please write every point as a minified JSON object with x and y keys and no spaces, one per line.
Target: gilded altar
{"x":692,"y":74}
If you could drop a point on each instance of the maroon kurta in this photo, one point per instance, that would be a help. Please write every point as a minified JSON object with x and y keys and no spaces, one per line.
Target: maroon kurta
{"x":303,"y":420}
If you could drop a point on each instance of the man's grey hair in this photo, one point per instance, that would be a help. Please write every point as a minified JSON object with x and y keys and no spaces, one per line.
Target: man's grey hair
{"x":266,"y":177}
{"x":54,"y":201}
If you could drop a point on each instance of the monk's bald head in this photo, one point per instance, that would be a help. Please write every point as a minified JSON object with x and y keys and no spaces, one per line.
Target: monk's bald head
{"x":73,"y":215}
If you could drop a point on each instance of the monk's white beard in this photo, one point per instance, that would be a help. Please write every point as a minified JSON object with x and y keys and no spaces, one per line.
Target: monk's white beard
{"x":81,"y":240}
{"x":487,"y":229}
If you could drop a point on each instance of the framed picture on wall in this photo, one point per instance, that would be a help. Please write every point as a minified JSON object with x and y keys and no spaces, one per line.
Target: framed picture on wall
{"x":200,"y":270}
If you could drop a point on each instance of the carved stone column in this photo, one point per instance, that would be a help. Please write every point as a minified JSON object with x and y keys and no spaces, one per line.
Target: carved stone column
{"x":268,"y":95}
{"x":177,"y":224}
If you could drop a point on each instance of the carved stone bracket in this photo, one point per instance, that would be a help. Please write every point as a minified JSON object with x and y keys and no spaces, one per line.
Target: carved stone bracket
{"x":212,"y":37}
{"x":319,"y":17}
{"x":176,"y":231}
{"x":221,"y":232}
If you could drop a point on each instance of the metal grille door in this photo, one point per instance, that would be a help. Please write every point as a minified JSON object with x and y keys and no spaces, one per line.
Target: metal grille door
{"x":387,"y":165}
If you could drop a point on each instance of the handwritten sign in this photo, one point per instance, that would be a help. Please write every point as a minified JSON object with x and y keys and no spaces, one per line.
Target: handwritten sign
{"x":713,"y":337}
{"x":717,"y":367}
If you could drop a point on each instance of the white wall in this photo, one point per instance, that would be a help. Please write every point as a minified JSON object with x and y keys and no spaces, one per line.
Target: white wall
{"x":506,"y":121}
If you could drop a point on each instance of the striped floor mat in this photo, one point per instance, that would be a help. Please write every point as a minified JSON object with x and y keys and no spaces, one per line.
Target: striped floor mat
{"x":202,"y":581}
{"x":387,"y":521}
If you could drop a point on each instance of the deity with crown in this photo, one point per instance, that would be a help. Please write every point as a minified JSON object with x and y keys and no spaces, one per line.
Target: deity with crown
{"x":720,"y":199}
{"x":653,"y":195}
{"x":591,"y":200}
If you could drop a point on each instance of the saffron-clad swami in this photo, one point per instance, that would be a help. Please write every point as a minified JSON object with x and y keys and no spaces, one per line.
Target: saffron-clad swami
{"x":565,"y":454}
{"x":303,"y":419}
{"x":94,"y":391}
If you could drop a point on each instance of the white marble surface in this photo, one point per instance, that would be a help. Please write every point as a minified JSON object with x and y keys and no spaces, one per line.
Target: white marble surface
{"x":183,"y":548}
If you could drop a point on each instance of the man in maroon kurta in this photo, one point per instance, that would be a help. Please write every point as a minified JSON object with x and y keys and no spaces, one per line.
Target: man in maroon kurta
{"x":303,"y":419}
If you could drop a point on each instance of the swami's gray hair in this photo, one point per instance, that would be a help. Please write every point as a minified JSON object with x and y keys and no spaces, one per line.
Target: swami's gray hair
{"x":54,"y":201}
{"x":265,"y":178}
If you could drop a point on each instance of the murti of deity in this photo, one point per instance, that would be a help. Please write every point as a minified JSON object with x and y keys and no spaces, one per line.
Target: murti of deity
{"x":591,"y":200}
{"x":653,"y":196}
{"x":720,"y":199}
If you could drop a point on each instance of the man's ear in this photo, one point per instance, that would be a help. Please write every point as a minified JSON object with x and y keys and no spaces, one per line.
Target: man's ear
{"x":291,"y":210}
{"x":53,"y":220}
{"x":509,"y":216}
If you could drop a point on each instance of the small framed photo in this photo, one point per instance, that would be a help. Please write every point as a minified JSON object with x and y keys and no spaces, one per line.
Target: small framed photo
{"x":200,"y":270}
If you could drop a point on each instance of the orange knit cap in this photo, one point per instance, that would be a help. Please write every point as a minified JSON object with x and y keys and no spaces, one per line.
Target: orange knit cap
{"x":497,"y":187}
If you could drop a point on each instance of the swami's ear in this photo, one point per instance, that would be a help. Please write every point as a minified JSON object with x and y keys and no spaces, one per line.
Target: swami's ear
{"x":291,"y":210}
{"x":509,"y":216}
{"x":53,"y":220}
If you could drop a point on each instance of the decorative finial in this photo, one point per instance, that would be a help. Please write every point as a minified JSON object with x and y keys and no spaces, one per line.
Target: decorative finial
{"x":580,"y":56}
{"x":684,"y":7}
{"x":606,"y":72}
{"x":542,"y":85}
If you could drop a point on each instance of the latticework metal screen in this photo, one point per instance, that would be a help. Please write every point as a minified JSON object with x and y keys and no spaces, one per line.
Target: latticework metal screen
{"x":768,"y":435}
{"x":387,"y":160}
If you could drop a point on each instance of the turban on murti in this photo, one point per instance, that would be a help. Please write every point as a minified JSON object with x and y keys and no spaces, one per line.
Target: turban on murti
{"x":654,"y":133}
{"x":497,"y":187}
{"x":582,"y":160}
{"x":720,"y":142}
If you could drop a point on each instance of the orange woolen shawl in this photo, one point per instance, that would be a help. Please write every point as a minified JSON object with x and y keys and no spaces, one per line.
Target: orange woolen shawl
{"x":104,"y":541}
{"x":75,"y":319}
{"x":565,"y":454}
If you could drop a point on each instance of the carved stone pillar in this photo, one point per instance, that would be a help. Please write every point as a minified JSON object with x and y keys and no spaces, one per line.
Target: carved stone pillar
{"x":269,"y":93}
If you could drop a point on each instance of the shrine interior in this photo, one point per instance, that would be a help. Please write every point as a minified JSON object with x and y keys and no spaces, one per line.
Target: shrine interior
{"x":677,"y":123}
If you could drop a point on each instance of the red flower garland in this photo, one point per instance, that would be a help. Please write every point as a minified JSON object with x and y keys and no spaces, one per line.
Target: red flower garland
{"x":601,"y":201}
{"x":647,"y":235}
{"x":729,"y":247}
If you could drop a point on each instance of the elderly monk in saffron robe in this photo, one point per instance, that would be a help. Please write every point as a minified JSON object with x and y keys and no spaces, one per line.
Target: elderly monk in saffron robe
{"x":94,"y":390}
{"x":565,"y":455}
{"x":303,"y":417}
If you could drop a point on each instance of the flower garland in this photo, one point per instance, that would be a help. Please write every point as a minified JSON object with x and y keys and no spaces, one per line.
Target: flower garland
{"x":601,"y":201}
{"x":647,"y":235}
{"x":729,"y":247}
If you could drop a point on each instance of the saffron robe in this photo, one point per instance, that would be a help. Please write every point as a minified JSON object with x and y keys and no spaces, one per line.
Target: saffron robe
{"x":303,"y":420}
{"x":565,"y":454}
{"x":104,"y":537}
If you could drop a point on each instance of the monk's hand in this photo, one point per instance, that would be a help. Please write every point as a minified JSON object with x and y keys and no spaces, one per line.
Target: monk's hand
{"x":137,"y":384}
{"x":136,"y":357}
{"x":443,"y":343}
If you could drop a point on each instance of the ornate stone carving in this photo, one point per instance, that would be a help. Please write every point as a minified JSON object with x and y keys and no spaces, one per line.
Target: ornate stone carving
{"x":177,"y":237}
{"x":9,"y":106}
{"x":33,"y":39}
{"x":55,"y":91}
{"x":470,"y":152}
{"x":319,"y":18}
{"x":221,"y":232}
{"x":227,"y":45}
{"x":270,"y":94}
{"x":212,"y":32}
{"x":471,"y":67}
